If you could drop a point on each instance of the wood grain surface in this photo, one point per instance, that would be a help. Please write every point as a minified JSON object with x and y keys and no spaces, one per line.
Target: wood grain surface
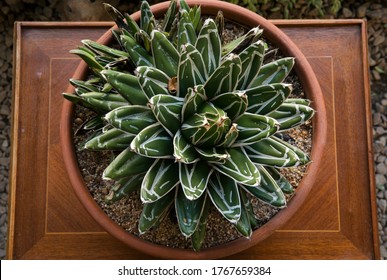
{"x":338,"y":220}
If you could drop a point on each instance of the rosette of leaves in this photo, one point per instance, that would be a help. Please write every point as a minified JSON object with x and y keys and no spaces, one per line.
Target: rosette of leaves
{"x":193,"y":121}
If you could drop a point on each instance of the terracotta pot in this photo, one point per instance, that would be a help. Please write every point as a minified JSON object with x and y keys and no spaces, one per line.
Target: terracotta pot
{"x":312,"y":89}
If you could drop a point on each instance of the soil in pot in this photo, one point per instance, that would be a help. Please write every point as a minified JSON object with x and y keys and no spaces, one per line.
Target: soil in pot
{"x":126,"y":212}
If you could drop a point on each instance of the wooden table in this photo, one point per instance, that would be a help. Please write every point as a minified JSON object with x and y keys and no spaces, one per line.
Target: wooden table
{"x":46,"y":221}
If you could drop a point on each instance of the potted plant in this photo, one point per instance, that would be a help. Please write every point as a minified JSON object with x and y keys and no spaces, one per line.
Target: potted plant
{"x":194,"y":122}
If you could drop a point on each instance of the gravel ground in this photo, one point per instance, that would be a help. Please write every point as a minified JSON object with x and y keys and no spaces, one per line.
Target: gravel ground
{"x":49,"y":10}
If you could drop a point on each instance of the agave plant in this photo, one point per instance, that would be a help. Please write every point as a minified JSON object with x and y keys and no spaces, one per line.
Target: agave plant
{"x":194,"y":121}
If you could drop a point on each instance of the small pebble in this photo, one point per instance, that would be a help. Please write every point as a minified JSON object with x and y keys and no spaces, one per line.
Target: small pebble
{"x":380,"y":179}
{"x":383,"y":252}
{"x":381,"y":168}
{"x":382,"y":203}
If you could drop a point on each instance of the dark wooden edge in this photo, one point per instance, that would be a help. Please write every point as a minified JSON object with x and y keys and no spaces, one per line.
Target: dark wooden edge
{"x":368,"y":107}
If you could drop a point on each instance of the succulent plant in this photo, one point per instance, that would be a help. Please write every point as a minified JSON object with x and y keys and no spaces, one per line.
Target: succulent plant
{"x":194,"y":121}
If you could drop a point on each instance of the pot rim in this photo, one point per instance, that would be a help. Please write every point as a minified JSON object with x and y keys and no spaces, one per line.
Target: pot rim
{"x":312,"y":89}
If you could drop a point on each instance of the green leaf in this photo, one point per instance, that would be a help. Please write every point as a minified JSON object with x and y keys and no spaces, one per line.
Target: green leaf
{"x":132,"y":118}
{"x":268,"y":191}
{"x":193,"y":100}
{"x":281,"y":181}
{"x":194,"y":178}
{"x":79,"y":100}
{"x":104,"y":101}
{"x":143,"y":38}
{"x":267,"y":98}
{"x":184,"y":6}
{"x":253,"y":128}
{"x":207,"y":127}
{"x":209,"y":45}
{"x":127,"y":163}
{"x":239,"y":44}
{"x":137,"y":53}
{"x":300,"y":101}
{"x":165,"y":56}
{"x":183,"y":151}
{"x":188,"y":212}
{"x":225,"y":77}
{"x":224,"y":194}
{"x":127,"y":85}
{"x":88,"y":58}
{"x":167,"y":109}
{"x":239,"y":167}
{"x":291,"y":115}
{"x":152,"y":213}
{"x":186,"y":32}
{"x":233,"y":103}
{"x":169,"y":16}
{"x":113,"y":139}
{"x":230,"y":137}
{"x":83,"y":85}
{"x":161,"y":178}
{"x":191,"y":70}
{"x":303,"y":158}
{"x":152,"y":81}
{"x":197,"y":238}
{"x":94,"y":123}
{"x":249,"y":208}
{"x":153,"y":142}
{"x":104,"y":50}
{"x":274,"y":72}
{"x":273,"y":152}
{"x":132,"y":26}
{"x":251,"y":58}
{"x":213,"y":154}
{"x":243,"y":225}
{"x":116,"y":16}
{"x":124,"y":187}
{"x":147,"y":20}
{"x":195,"y":15}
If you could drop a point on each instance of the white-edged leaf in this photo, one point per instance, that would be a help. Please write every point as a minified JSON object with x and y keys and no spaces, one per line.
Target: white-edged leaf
{"x":267,"y":98}
{"x":233,"y":103}
{"x":253,"y":128}
{"x":209,"y":45}
{"x":225,"y":77}
{"x":131,"y":119}
{"x":153,"y":142}
{"x":268,"y":191}
{"x":273,"y":152}
{"x":186,"y":30}
{"x":290,"y":115}
{"x":127,"y":163}
{"x":193,"y":100}
{"x":113,"y":139}
{"x":152,"y":81}
{"x":160,"y":179}
{"x":153,"y":212}
{"x":251,"y":58}
{"x":274,"y":72}
{"x":194,"y":178}
{"x":167,"y":110}
{"x":191,"y":70}
{"x":224,"y":194}
{"x":281,"y":181}
{"x":165,"y":55}
{"x":239,"y":167}
{"x":188,"y":212}
{"x":183,"y":151}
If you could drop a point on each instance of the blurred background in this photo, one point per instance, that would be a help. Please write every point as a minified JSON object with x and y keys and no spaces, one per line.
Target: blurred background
{"x":375,"y":12}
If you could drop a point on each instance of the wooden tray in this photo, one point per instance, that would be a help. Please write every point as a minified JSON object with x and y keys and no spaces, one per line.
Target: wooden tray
{"x":46,"y":221}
